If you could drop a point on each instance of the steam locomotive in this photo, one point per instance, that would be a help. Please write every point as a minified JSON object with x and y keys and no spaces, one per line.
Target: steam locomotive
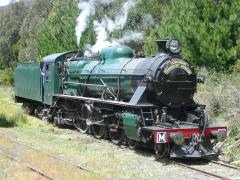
{"x":141,"y":101}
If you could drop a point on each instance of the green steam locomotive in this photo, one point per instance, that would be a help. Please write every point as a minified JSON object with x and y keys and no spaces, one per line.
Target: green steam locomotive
{"x":115,"y":95}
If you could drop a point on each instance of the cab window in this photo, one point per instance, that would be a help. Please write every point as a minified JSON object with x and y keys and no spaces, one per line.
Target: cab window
{"x":47,"y":73}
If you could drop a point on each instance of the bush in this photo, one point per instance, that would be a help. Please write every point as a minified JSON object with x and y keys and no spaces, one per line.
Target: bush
{"x":231,"y":147}
{"x":222,"y":96}
{"x":236,"y":68}
{"x":6,"y":76}
{"x":16,"y":120}
{"x":220,"y":93}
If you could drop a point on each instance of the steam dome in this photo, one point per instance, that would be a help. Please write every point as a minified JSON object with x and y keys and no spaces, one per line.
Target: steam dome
{"x":116,"y":52}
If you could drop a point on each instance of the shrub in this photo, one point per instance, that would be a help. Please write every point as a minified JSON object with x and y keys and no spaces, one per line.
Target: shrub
{"x":16,"y":120}
{"x":222,"y":96}
{"x":237,"y":66}
{"x":6,"y":76}
{"x":231,"y":147}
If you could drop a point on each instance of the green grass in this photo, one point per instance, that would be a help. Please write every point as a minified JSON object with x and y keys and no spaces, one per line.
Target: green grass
{"x":6,"y":76}
{"x":232,"y":151}
{"x":11,"y":114}
{"x":17,"y":120}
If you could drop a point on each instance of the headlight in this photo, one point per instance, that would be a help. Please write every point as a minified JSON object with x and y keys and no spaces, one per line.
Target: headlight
{"x":173,"y":46}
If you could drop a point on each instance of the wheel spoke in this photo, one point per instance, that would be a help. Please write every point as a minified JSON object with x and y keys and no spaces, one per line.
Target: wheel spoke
{"x":81,"y":125}
{"x":98,"y":131}
{"x":116,"y":135}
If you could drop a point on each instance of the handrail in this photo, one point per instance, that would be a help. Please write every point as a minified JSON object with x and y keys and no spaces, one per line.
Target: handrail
{"x":85,"y":84}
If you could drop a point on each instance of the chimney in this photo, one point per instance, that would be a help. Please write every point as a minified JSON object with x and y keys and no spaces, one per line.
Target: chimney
{"x":171,"y":46}
{"x":161,"y":46}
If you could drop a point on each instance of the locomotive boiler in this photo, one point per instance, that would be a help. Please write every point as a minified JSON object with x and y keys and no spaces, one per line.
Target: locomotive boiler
{"x":141,"y":101}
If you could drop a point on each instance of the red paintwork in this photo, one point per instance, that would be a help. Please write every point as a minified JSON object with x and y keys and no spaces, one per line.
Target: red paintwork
{"x":188,"y":132}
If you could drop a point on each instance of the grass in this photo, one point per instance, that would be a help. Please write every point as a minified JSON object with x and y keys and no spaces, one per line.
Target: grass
{"x":11,"y":114}
{"x":6,"y":76}
{"x":18,"y":119}
{"x":230,"y":148}
{"x":221,"y":94}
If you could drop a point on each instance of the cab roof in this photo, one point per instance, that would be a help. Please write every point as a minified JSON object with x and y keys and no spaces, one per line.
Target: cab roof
{"x":61,"y":56}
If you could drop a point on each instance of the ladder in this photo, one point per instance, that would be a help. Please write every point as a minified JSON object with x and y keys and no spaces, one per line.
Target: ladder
{"x":147,"y":116}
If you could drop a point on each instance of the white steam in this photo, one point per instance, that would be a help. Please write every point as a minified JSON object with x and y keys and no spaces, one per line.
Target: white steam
{"x":106,"y":26}
{"x":102,"y":37}
{"x":87,"y":9}
{"x":131,"y":36}
{"x":106,"y":2}
{"x":121,"y":18}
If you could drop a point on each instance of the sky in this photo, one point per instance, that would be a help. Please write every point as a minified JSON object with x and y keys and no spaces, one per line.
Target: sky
{"x":4,"y":2}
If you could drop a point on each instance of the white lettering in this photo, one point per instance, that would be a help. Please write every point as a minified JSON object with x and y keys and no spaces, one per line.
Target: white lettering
{"x":161,"y":137}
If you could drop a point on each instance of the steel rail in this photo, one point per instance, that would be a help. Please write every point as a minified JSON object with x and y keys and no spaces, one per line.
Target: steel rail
{"x":224,"y":164}
{"x":49,"y":155}
{"x":31,"y":168}
{"x":201,"y":171}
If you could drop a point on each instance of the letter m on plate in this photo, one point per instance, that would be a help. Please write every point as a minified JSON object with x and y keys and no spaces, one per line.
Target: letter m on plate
{"x":161,"y":137}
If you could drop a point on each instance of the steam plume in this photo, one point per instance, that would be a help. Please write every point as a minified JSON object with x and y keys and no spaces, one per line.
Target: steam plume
{"x":106,"y":2}
{"x":120,"y":19}
{"x":87,"y":9}
{"x":131,"y":36}
{"x":106,"y":26}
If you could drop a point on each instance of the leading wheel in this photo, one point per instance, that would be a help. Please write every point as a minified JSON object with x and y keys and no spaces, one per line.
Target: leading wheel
{"x":161,"y":150}
{"x":99,"y":131}
{"x":116,"y":135}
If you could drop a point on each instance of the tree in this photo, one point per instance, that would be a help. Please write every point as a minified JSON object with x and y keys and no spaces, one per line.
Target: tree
{"x":11,"y":18}
{"x":35,"y":18}
{"x":207,"y":29}
{"x":58,"y":32}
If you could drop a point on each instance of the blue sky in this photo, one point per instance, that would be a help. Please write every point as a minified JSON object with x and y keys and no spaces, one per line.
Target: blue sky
{"x":4,"y":2}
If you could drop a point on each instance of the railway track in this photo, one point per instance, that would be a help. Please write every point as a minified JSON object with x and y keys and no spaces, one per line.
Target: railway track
{"x":34,"y":169}
{"x":208,"y":173}
{"x":50,"y":155}
{"x":28,"y":166}
{"x":185,"y":165}
{"x":200,"y":171}
{"x":225,"y":165}
{"x":24,"y":162}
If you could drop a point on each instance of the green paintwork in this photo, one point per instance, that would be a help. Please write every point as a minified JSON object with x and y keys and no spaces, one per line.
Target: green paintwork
{"x":130,"y":125}
{"x":117,"y":62}
{"x":116,"y":52}
{"x":50,"y":84}
{"x":54,"y":84}
{"x":28,"y":81}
